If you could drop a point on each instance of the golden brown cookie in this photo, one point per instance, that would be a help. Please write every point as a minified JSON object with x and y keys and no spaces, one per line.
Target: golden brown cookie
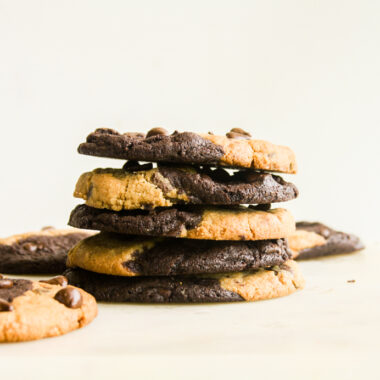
{"x":237,"y":149}
{"x":257,"y":285}
{"x":32,"y":310}
{"x":133,"y":187}
{"x":38,"y":252}
{"x":125,"y":255}
{"x":235,"y":223}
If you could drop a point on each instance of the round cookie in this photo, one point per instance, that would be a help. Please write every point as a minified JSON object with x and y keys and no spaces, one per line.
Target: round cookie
{"x":312,"y":240}
{"x":134,"y":188}
{"x":233,"y":223}
{"x":124,"y":255}
{"x":38,"y":252}
{"x":32,"y":310}
{"x":237,"y":149}
{"x":257,"y":285}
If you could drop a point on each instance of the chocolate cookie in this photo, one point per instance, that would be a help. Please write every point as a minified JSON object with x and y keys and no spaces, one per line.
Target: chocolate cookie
{"x":119,"y":189}
{"x":313,"y":240}
{"x":257,"y":285}
{"x":44,"y":251}
{"x":124,"y":255}
{"x":32,"y":310}
{"x":233,"y":223}
{"x":236,"y":149}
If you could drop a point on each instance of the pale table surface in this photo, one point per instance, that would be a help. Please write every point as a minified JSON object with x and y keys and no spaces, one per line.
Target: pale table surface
{"x":329,"y":330}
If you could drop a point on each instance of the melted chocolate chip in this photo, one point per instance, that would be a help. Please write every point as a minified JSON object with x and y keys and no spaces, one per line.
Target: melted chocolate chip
{"x":251,"y":176}
{"x":5,"y":283}
{"x":5,"y":306}
{"x":70,"y":297}
{"x":135,"y":166}
{"x":157,"y":131}
{"x":238,"y":133}
{"x":57,"y":280}
{"x":262,"y":207}
{"x":220,"y":175}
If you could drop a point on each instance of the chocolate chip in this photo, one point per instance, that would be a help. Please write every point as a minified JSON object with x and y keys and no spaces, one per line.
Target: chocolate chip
{"x":220,"y":175}
{"x":157,"y":131}
{"x":107,"y":131}
{"x":57,"y":280}
{"x":31,"y":247}
{"x":6,"y":283}
{"x":134,"y":134}
{"x":251,"y":176}
{"x":135,"y":166}
{"x":70,"y":297}
{"x":262,"y":207}
{"x":47,"y":228}
{"x":5,"y":306}
{"x":238,"y":133}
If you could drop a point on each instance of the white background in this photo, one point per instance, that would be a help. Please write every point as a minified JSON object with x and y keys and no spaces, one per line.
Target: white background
{"x":299,"y":73}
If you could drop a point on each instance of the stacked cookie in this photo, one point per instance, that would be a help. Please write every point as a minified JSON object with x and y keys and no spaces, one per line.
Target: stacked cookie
{"x":176,"y":231}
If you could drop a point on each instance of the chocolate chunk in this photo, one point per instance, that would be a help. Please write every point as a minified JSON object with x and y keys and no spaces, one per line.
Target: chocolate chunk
{"x":160,"y":289}
{"x":5,"y":306}
{"x":18,"y":289}
{"x":38,"y":254}
{"x":70,"y":297}
{"x":238,"y":133}
{"x":336,"y":242}
{"x":157,"y":131}
{"x":135,"y":166}
{"x":262,"y":207}
{"x":5,"y":283}
{"x":57,"y":280}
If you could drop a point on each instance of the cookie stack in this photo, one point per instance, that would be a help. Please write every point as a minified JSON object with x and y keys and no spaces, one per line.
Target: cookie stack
{"x":176,"y":230}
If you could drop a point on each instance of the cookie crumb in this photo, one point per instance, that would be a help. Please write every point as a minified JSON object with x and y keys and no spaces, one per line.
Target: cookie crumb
{"x":351,"y":281}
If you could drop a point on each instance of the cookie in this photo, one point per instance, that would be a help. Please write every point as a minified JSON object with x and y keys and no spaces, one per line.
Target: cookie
{"x":237,"y":149}
{"x":125,"y":255}
{"x":234,"y":223}
{"x":119,"y":189}
{"x":44,"y":251}
{"x":32,"y":310}
{"x":312,"y":240}
{"x":257,"y":285}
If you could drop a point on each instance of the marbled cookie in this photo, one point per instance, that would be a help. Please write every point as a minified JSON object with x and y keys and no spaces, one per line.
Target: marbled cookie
{"x":236,"y":149}
{"x":257,"y":285}
{"x":134,"y":187}
{"x":32,"y":310}
{"x":125,"y":255}
{"x":233,"y":223}
{"x":44,"y":251}
{"x":312,"y":240}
